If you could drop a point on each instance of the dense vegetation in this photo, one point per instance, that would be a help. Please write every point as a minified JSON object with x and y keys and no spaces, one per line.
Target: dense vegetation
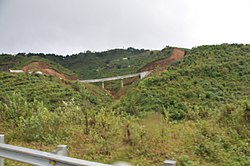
{"x":92,"y":64}
{"x":51,"y":91}
{"x":197,"y":112}
{"x":208,"y":77}
{"x":36,"y":107}
{"x":208,"y":88}
{"x":112,"y":63}
{"x":20,"y":60}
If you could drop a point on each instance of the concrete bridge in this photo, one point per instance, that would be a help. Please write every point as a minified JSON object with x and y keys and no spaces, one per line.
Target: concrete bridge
{"x":141,"y":75}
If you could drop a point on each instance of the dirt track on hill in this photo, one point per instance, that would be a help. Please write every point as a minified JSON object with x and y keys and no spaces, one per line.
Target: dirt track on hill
{"x":45,"y":69}
{"x":163,"y":64}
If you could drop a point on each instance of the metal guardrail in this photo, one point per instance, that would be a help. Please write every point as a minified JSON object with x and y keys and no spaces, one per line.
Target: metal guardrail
{"x":1,"y":141}
{"x":40,"y":158}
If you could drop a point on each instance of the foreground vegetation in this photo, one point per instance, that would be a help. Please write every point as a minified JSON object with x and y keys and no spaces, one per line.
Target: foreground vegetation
{"x":29,"y":102}
{"x":197,"y":112}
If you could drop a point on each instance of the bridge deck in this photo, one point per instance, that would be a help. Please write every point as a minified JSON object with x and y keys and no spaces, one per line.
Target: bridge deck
{"x":142,"y":75}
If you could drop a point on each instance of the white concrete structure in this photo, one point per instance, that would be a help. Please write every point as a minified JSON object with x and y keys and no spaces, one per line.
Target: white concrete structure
{"x":169,"y":163}
{"x":141,"y":75}
{"x":16,"y":71}
{"x":102,"y":80}
{"x":38,"y":72}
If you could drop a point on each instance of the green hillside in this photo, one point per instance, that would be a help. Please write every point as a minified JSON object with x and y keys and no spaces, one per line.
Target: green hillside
{"x":196,"y":112}
{"x":34,"y":106}
{"x":49,"y":90}
{"x":203,"y":108}
{"x":90,"y":65}
{"x":20,"y":60}
{"x":210,"y":76}
{"x":110,"y":63}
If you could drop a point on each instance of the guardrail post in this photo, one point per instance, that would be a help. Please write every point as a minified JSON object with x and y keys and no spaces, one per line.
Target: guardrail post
{"x":169,"y":163}
{"x":61,"y":150}
{"x":1,"y":141}
{"x":121,"y":163}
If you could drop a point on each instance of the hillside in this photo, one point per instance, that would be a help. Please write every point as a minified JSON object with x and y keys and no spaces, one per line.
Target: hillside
{"x":36,"y":107}
{"x":34,"y":63}
{"x":51,"y":91}
{"x":116,"y":62}
{"x":90,"y":65}
{"x":45,"y":68}
{"x":208,"y":77}
{"x":156,"y":66}
{"x":176,"y":54}
{"x":200,"y":107}
{"x":197,"y":112}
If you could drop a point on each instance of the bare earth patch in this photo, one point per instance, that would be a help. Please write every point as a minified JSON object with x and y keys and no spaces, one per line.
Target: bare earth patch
{"x":163,"y":64}
{"x":45,"y":69}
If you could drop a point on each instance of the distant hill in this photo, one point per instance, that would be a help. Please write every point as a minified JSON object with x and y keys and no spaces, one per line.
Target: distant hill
{"x":90,"y":65}
{"x":112,"y":63}
{"x":34,"y":63}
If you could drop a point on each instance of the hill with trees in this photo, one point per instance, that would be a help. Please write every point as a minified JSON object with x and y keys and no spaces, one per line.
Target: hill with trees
{"x":208,"y":77}
{"x":204,"y":101}
{"x":196,"y":112}
{"x":22,"y":60}
{"x":90,"y":65}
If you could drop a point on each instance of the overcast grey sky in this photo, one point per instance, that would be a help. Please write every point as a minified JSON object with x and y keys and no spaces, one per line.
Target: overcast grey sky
{"x":72,"y":26}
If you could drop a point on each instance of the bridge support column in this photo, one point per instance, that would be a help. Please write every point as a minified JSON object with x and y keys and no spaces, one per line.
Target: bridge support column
{"x":122,"y":83}
{"x":103,"y":85}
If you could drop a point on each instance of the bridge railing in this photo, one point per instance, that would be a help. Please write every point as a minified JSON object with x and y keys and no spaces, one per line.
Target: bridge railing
{"x":141,"y":75}
{"x":40,"y":158}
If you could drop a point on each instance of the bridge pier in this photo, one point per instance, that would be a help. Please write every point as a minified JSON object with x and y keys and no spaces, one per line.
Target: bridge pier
{"x":103,"y":85}
{"x":122,"y":83}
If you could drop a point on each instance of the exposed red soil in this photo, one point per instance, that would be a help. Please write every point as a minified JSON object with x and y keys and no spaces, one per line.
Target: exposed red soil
{"x":45,"y":69}
{"x":163,"y":64}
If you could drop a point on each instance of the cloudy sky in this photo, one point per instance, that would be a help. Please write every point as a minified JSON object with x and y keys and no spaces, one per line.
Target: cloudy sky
{"x":72,"y":26}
